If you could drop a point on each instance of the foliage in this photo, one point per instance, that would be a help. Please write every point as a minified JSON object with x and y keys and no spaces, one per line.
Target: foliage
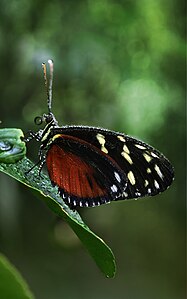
{"x":12,"y":284}
{"x":120,"y":65}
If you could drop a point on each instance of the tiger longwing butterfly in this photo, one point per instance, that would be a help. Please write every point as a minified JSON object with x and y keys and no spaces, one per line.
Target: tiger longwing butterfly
{"x":92,"y":166}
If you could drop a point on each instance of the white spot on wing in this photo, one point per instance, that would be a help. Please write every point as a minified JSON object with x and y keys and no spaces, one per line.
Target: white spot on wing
{"x":121,"y":138}
{"x":147,"y":157}
{"x":131,"y":178}
{"x":74,"y":202}
{"x":158,"y":171}
{"x":125,"y":194}
{"x":148,"y":170}
{"x":137,"y":193}
{"x":156,"y":184}
{"x":140,"y":146}
{"x":149,"y":191}
{"x":114,"y":188}
{"x":101,"y":139}
{"x":127,"y":157}
{"x":125,"y":149}
{"x":126,"y":154}
{"x":154,"y":155}
{"x":146,"y":183}
{"x":117,"y":176}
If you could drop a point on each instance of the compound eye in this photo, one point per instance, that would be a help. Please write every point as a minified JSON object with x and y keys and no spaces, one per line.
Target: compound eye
{"x":38,"y":120}
{"x":48,"y":117}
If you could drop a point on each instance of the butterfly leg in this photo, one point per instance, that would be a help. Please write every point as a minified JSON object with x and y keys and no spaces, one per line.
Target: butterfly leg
{"x":40,"y":162}
{"x":32,"y":135}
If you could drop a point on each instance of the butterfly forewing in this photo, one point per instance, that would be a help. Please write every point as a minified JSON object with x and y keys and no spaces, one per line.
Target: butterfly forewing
{"x":84,"y":174}
{"x":147,"y":171}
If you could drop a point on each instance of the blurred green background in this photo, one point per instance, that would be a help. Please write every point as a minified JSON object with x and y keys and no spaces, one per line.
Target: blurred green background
{"x":119,"y":65}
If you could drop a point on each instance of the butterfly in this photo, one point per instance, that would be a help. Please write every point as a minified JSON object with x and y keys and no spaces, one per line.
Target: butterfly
{"x":93,"y":166}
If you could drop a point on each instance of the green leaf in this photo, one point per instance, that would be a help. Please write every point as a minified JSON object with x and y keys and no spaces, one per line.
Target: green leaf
{"x":97,"y":248}
{"x":12,"y":149}
{"x":12,"y":285}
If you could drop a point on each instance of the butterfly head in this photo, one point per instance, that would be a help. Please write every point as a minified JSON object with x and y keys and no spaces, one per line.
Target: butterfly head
{"x":46,"y":119}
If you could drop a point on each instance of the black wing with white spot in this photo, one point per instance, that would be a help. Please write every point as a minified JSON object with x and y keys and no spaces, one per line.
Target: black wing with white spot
{"x":148,"y":172}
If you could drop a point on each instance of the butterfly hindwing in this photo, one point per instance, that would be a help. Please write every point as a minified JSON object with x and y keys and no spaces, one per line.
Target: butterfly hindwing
{"x":84,"y":174}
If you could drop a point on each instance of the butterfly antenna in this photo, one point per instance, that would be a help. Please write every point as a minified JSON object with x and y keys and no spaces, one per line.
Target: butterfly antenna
{"x":50,"y":84}
{"x":46,"y":82}
{"x":49,"y":98}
